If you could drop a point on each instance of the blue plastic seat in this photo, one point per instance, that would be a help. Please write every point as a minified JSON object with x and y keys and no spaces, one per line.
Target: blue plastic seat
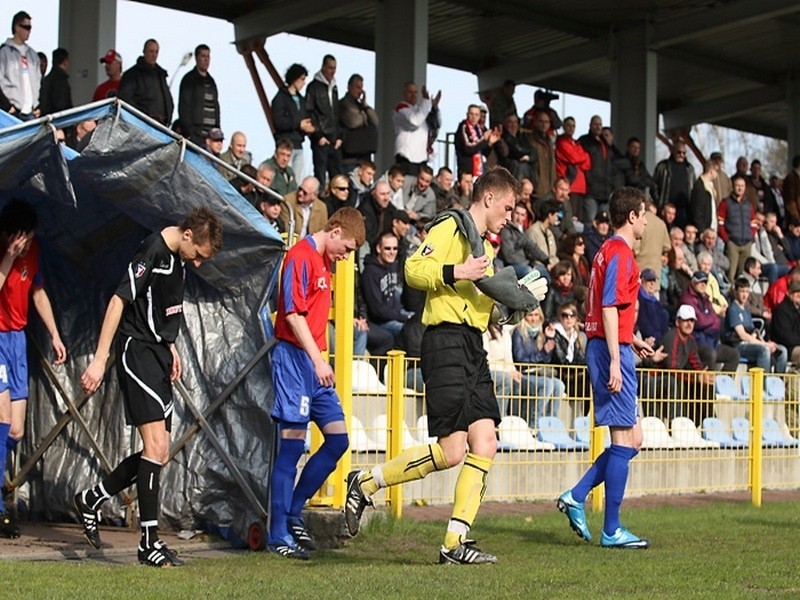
{"x":725,"y":386}
{"x":553,"y":431}
{"x":773,"y":436}
{"x":741,"y":430}
{"x":774,"y":389}
{"x":582,"y":432}
{"x":714,"y":431}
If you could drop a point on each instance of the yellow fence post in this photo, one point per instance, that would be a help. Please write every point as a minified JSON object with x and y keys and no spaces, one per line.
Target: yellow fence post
{"x":343,"y":285}
{"x":756,"y":430}
{"x":597,"y":445}
{"x":394,"y":424}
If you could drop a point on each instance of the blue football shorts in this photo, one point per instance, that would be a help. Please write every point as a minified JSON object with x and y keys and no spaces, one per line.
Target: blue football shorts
{"x":619,"y":409}
{"x":14,"y":364}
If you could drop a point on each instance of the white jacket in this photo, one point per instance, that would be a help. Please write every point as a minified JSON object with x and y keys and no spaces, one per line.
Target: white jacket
{"x":411,"y":130}
{"x":11,"y":73}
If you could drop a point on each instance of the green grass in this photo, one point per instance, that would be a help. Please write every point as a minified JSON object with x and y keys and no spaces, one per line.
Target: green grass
{"x":724,"y":550}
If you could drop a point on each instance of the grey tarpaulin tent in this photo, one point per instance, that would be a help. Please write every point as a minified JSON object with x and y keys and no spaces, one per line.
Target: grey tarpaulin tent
{"x":94,"y":208}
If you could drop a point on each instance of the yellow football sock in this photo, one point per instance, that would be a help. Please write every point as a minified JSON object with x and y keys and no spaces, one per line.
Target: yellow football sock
{"x":411,"y":464}
{"x":470,"y":488}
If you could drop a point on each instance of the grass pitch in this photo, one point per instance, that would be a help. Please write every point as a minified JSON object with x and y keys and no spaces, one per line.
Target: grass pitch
{"x":722,"y":550}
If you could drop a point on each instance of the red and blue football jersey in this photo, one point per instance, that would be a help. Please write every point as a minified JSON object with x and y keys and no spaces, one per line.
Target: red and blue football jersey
{"x":306,"y":290}
{"x":16,"y":292}
{"x":614,"y":281}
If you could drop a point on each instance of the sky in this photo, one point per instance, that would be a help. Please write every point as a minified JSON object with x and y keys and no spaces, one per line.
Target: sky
{"x":239,"y":105}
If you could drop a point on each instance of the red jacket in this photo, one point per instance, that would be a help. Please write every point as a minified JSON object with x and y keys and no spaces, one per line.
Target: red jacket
{"x":776,"y":293}
{"x":570,"y":153}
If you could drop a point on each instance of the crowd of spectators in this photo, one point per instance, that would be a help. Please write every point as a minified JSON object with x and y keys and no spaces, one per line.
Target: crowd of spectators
{"x":719,"y":258}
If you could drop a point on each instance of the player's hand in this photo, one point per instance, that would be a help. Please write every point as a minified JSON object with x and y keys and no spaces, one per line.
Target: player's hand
{"x":177,"y":367}
{"x":93,"y":375}
{"x":60,"y":350}
{"x":324,"y":374}
{"x":614,"y":377}
{"x":472,"y":269}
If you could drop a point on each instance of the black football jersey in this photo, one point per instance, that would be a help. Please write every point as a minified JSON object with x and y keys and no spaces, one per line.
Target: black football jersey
{"x":153,"y":290}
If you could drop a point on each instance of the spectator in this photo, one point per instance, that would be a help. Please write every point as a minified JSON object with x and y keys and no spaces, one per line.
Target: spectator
{"x":563,"y":289}
{"x":598,"y":233}
{"x":735,"y":219}
{"x":773,"y":199}
{"x":236,"y":155}
{"x":755,"y":301}
{"x":634,"y":171}
{"x":411,"y":127}
{"x":683,"y":352}
{"x":677,"y":238}
{"x":540,"y":233}
{"x":42,"y":63}
{"x":214,"y":141}
{"x":674,"y":178}
{"x":533,"y":344}
{"x":473,"y":142}
{"x":710,"y":242}
{"x":108,"y":89}
{"x":703,"y":203}
{"x":502,"y":104}
{"x":362,"y":178}
{"x":265,"y":174}
{"x":322,"y":106}
{"x":289,"y":116}
{"x":653,"y":319}
{"x":514,"y":151}
{"x":690,"y":240}
{"x":617,"y":159}
{"x":792,"y":240}
{"x":516,"y":248}
{"x":722,"y":184}
{"x":791,"y":190}
{"x":270,"y":207}
{"x":418,"y":197}
{"x":573,"y":249}
{"x":464,"y":189}
{"x":144,"y":86}
{"x":507,"y":379}
{"x":655,"y":241}
{"x":567,"y":223}
{"x":545,"y":157}
{"x":677,"y":279}
{"x":777,"y":291}
{"x":572,"y":162}
{"x":741,"y":333}
{"x":359,"y":123}
{"x":757,"y":185}
{"x":20,"y":77}
{"x":339,"y":194}
{"x":786,"y":323}
{"x":541,"y":105}
{"x":442,"y":186}
{"x":310,"y":213}
{"x":598,"y":177}
{"x":56,"y":94}
{"x":395,"y":177}
{"x":570,"y":351}
{"x":378,"y":212}
{"x":708,"y":327}
{"x":780,"y":251}
{"x":198,"y":99}
{"x":285,"y":181}
{"x":380,"y":284}
{"x":705,"y":263}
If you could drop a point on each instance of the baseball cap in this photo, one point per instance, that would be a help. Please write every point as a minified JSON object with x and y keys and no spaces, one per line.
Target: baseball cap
{"x":216,"y":134}
{"x":649,"y":275}
{"x":602,"y":217}
{"x":700,"y":276}
{"x":111,"y":56}
{"x":794,"y":286}
{"x":686,"y":313}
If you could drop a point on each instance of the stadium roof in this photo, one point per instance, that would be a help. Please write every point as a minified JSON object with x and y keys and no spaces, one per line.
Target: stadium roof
{"x":728,"y":62}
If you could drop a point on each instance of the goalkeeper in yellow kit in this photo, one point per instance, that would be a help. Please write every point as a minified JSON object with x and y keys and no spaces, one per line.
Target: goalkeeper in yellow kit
{"x":454,"y":267}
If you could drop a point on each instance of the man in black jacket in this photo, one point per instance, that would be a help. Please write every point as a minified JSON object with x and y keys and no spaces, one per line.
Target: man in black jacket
{"x":598,"y":177}
{"x":56,"y":94}
{"x":144,"y":86}
{"x":198,"y":101}
{"x":786,"y":323}
{"x":322,"y":106}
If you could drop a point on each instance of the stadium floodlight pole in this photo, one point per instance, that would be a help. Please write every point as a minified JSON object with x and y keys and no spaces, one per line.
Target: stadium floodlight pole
{"x":184,"y":61}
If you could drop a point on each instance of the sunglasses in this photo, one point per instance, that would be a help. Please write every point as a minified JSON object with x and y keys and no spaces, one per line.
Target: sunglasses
{"x":390,"y":248}
{"x":341,"y":189}
{"x":567,"y":315}
{"x":580,"y":243}
{"x":25,"y":27}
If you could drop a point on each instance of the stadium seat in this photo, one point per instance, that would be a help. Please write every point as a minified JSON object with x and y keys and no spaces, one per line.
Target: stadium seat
{"x":741,"y":430}
{"x":365,"y":379}
{"x":725,"y":387}
{"x":655,"y":434}
{"x":774,"y":437}
{"x":515,"y":435}
{"x":553,"y":431}
{"x":422,"y":431}
{"x":685,"y":435}
{"x":381,"y":438}
{"x":359,"y":440}
{"x":715,"y":431}
{"x":582,"y":431}
{"x":774,"y":389}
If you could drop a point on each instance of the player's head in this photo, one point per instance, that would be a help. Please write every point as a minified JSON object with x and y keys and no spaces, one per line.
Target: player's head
{"x":346,"y":233}
{"x":494,"y":194}
{"x":201,"y":236}
{"x":626,"y":206}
